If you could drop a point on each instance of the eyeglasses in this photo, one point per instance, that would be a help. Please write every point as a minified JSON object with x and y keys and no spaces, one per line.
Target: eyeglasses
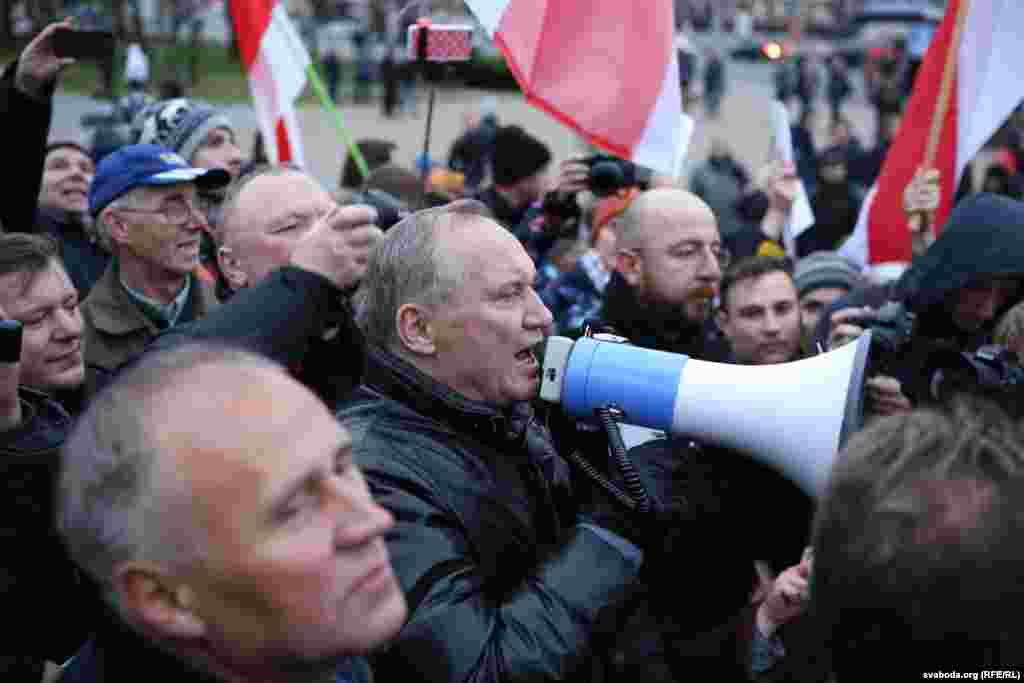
{"x":176,"y":212}
{"x":693,"y":253}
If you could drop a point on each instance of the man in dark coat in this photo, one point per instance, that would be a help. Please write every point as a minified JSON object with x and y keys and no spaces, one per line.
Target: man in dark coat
{"x":263,"y":564}
{"x":513,"y":571}
{"x":519,"y":166}
{"x":957,"y":290}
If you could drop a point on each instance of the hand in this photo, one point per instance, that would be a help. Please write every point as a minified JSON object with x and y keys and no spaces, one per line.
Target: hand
{"x":38,"y":65}
{"x":781,"y":183}
{"x":787,"y":599}
{"x":338,"y":246}
{"x":885,"y":396}
{"x":572,"y":176}
{"x":921,"y":199}
{"x":842,"y":331}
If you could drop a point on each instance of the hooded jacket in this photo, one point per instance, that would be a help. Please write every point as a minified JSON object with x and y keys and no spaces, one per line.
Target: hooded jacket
{"x":983,"y":239}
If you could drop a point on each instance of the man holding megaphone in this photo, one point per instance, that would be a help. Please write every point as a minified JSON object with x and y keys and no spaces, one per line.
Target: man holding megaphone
{"x":514,"y":566}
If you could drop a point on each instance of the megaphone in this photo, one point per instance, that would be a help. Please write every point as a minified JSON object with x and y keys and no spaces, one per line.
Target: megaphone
{"x":792,"y":416}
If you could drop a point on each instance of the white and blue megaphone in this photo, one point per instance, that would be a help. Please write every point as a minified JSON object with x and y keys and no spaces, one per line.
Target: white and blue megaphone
{"x":793,"y":416}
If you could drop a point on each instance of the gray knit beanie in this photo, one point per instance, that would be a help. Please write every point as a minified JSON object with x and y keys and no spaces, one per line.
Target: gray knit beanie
{"x":180,"y":125}
{"x":824,"y":269}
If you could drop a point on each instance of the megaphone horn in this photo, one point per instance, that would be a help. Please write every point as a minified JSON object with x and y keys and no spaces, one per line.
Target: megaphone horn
{"x":793,"y":416}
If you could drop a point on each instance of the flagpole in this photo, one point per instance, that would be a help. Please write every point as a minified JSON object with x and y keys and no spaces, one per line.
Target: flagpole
{"x":338,"y":119}
{"x":921,"y":222}
{"x":946,"y":88}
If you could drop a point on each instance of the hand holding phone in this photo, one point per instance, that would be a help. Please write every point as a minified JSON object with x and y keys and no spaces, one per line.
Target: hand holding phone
{"x":69,"y":43}
{"x":444,"y":43}
{"x":10,"y":372}
{"x":39,"y":64}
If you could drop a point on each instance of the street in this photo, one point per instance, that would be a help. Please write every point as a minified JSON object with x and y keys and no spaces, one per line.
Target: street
{"x":743,"y":124}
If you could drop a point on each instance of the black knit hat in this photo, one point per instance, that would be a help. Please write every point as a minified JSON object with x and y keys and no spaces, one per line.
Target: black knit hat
{"x":517,"y":155}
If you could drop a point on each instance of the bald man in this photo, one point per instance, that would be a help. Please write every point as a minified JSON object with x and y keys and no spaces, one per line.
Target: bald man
{"x":668,"y":267}
{"x":215,"y":502}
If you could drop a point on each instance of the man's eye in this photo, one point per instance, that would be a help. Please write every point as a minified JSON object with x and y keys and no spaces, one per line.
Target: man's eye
{"x":286,"y":228}
{"x":34,"y":320}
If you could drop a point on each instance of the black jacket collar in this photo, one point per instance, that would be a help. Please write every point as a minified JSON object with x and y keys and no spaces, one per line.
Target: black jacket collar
{"x":393,"y":377}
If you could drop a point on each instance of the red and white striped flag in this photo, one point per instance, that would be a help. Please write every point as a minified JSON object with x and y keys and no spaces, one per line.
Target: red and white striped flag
{"x":986,"y":84}
{"x":276,"y":61}
{"x":605,"y":68}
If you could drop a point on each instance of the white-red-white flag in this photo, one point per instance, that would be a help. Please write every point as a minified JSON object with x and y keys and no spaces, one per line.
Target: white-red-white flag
{"x":605,"y":68}
{"x":276,"y":62}
{"x":987,"y":84}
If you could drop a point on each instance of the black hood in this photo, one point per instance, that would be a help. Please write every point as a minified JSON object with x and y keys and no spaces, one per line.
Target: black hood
{"x":982,"y":239}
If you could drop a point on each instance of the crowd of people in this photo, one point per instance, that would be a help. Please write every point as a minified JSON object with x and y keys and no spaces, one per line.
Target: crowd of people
{"x":252,"y":430}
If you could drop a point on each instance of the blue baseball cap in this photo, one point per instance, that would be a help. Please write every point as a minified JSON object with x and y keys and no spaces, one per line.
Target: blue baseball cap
{"x":145,"y":165}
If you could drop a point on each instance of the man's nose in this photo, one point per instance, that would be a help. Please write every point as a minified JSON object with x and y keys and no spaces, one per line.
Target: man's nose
{"x":538,"y":315}
{"x":359,"y":518}
{"x":710,"y":268}
{"x":69,"y":324}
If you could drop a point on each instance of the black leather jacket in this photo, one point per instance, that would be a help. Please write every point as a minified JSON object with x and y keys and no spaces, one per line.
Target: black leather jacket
{"x":502,"y":583}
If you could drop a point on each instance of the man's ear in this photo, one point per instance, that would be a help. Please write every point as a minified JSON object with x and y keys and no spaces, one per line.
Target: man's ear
{"x":722,"y":318}
{"x":231,"y":268}
{"x":415,"y":330}
{"x":631,"y":265}
{"x":148,"y":595}
{"x":117,"y":228}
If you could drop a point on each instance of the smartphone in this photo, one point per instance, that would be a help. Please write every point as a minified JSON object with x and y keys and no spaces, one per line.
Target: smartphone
{"x":83,"y":44}
{"x":451,"y":43}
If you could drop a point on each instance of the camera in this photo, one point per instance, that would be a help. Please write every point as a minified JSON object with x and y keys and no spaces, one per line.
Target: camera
{"x":942,"y":369}
{"x":10,"y":340}
{"x":608,"y":175}
{"x":390,"y":209}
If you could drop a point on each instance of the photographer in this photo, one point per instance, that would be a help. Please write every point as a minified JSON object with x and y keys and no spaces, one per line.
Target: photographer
{"x":956,"y":291}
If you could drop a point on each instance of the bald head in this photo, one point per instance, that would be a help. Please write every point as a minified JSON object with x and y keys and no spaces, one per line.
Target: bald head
{"x":265,"y":215}
{"x":670,"y":253}
{"x":650,"y":213}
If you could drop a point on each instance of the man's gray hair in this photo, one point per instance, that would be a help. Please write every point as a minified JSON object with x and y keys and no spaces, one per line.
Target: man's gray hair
{"x":408,"y":267}
{"x":112,"y":497}
{"x":101,"y":225}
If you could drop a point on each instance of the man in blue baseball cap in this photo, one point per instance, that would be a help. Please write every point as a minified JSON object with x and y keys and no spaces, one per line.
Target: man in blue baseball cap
{"x":144,"y":199}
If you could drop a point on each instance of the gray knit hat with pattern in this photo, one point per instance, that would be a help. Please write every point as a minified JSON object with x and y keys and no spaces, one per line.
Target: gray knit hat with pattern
{"x":180,"y":125}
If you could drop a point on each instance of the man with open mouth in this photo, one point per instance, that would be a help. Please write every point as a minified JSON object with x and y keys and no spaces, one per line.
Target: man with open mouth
{"x":145,"y":201}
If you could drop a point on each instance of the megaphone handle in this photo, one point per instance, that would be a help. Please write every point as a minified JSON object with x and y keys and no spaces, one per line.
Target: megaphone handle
{"x":595,"y":476}
{"x":635,"y":497}
{"x":634,"y":486}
